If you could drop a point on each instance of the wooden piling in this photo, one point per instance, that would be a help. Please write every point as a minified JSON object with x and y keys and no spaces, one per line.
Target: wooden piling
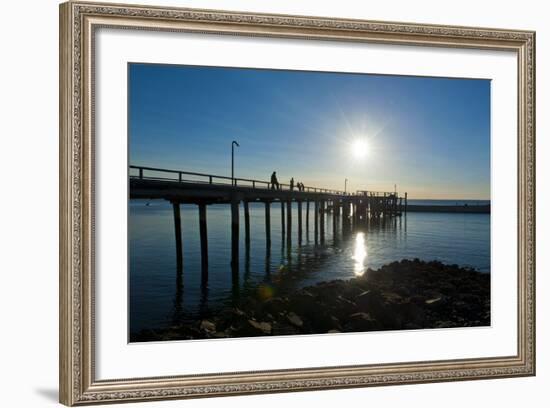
{"x":288,"y":223}
{"x":344,"y":210}
{"x":322,"y":222}
{"x":307,"y":220}
{"x":345,"y":216}
{"x":334,"y":216}
{"x":204,"y":242}
{"x":405,"y":203}
{"x":299,"y":222}
{"x":177,"y":228}
{"x":283,"y":228}
{"x":268,"y":227}
{"x":235,"y":234}
{"x":246,"y":226}
{"x":316,"y":221}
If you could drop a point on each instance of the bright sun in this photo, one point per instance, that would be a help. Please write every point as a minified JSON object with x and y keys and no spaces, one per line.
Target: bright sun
{"x":359,"y":149}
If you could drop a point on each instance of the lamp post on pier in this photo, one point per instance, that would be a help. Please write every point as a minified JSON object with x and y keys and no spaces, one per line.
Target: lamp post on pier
{"x":233,"y":144}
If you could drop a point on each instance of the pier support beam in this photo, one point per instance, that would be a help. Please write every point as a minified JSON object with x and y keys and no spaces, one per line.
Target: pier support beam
{"x":345,"y":210}
{"x":307,"y":220}
{"x":289,"y":224}
{"x":283,"y":222}
{"x":322,"y":222}
{"x":235,"y":235}
{"x":345,"y":217}
{"x":334,"y":216}
{"x":316,"y":221}
{"x":246,"y":226}
{"x":268,"y":227}
{"x":177,"y":225}
{"x":299,"y":222}
{"x":204,"y":242}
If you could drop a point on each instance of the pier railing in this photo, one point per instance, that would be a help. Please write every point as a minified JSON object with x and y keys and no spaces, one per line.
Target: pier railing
{"x":376,"y":193}
{"x":153,"y":173}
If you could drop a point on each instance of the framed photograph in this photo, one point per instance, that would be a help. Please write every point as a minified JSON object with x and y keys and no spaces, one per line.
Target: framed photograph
{"x":256,"y":203}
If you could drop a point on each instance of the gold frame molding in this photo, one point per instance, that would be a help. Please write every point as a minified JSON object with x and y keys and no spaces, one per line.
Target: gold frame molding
{"x":78,"y":22}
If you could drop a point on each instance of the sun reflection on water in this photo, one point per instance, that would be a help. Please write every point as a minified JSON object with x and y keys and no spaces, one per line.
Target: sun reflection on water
{"x":359,"y":254}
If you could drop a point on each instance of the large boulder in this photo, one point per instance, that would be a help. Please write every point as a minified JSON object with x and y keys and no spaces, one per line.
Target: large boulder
{"x":250,"y":328}
{"x":370,"y":301}
{"x":342,"y":307}
{"x":408,"y":315}
{"x":323,"y":322}
{"x":359,"y":322}
{"x":284,"y":328}
{"x":373,"y":303}
{"x":208,"y":326}
{"x":294,"y":319}
{"x":326,"y":291}
{"x":303,"y":303}
{"x":275,"y":305}
{"x":231,"y":317}
{"x":264,"y":327}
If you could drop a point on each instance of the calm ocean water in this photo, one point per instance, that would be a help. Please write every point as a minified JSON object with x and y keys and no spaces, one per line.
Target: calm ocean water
{"x":159,"y":298}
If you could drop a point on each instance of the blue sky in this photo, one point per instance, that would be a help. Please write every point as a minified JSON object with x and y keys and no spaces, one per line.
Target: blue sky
{"x":430,"y":136}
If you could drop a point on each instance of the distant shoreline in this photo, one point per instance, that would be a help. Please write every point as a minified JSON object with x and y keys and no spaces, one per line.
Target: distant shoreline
{"x":464,"y":209}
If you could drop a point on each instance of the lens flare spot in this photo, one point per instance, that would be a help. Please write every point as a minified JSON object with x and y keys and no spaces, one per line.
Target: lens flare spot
{"x":265,"y":291}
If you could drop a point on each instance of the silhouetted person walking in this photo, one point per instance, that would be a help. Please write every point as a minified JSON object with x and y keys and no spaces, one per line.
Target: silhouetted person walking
{"x":274,"y":181}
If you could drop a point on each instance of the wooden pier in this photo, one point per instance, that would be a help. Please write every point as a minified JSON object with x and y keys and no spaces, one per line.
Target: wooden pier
{"x":180,"y":187}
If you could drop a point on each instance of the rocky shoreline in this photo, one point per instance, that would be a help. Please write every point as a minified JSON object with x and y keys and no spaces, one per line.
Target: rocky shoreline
{"x":405,"y":295}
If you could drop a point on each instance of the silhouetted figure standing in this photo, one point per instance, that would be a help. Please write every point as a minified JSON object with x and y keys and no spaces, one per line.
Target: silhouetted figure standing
{"x":292,"y":184}
{"x":274,"y":181}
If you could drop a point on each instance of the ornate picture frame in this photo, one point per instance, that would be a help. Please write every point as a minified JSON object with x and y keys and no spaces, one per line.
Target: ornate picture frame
{"x":78,"y":24}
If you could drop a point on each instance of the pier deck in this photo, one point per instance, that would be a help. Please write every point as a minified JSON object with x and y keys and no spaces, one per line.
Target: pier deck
{"x":197,"y":192}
